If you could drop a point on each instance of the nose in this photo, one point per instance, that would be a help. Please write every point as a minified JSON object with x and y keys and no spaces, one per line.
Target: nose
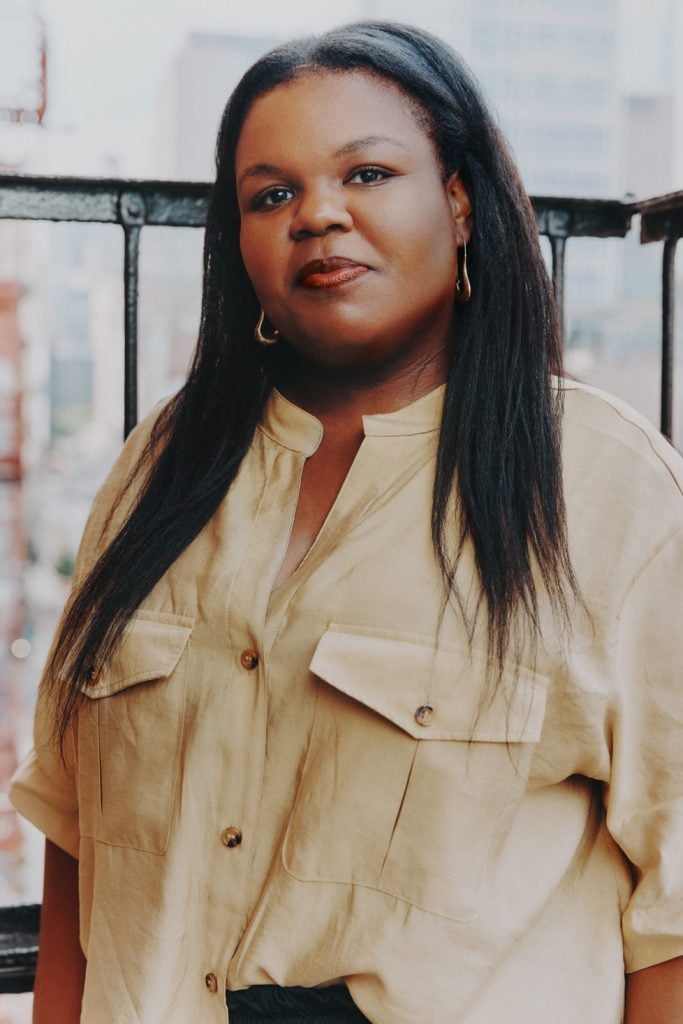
{"x":319,"y":210}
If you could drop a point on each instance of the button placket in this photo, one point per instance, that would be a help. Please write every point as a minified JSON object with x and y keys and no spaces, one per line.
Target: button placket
{"x":231,"y":836}
{"x":249,"y":659}
{"x":230,"y":889}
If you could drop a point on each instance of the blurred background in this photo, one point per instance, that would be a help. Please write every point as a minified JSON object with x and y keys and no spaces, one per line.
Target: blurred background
{"x":589,"y":93}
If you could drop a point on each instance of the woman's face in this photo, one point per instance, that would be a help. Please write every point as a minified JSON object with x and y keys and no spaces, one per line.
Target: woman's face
{"x":349,"y":232}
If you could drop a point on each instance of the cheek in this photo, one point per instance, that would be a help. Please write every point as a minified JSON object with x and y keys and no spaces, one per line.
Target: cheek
{"x":260,"y":259}
{"x":250,"y":256}
{"x":429,"y":251}
{"x":420,"y":225}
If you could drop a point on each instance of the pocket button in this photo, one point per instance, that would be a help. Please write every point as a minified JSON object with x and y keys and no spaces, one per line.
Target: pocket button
{"x":424,"y":715}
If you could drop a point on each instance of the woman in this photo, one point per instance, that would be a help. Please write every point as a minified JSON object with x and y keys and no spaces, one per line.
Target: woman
{"x":368,"y":679}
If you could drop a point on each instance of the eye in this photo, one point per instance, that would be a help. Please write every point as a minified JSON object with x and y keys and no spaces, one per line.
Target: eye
{"x":370,"y":175}
{"x":275,"y":196}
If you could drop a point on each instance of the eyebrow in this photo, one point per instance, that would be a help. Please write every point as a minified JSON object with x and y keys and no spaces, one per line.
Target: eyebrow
{"x":348,"y":149}
{"x":258,"y":169}
{"x":367,"y":140}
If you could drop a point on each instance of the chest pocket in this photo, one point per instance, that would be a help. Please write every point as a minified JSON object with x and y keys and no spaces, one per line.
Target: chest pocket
{"x":130,"y":735}
{"x":408,"y":781}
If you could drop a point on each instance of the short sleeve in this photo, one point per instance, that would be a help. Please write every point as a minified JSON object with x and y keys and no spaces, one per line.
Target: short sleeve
{"x":645,"y":795}
{"x":44,"y":787}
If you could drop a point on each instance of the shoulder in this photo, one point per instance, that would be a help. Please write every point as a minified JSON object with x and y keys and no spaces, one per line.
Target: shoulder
{"x":118,"y":493}
{"x":623,"y":482}
{"x":602,"y":433}
{"x":135,"y":447}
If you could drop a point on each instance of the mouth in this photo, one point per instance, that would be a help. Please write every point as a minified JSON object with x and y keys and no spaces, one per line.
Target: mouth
{"x":330,"y":272}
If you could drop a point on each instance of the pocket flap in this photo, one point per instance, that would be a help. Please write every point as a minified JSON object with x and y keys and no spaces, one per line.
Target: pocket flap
{"x":431,"y":693}
{"x":150,"y":648}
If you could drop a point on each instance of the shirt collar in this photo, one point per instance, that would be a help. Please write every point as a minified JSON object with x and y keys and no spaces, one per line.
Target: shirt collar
{"x":420,"y":417}
{"x":294,"y":428}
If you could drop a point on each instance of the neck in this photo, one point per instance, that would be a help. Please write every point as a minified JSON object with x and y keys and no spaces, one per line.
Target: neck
{"x":346,"y":394}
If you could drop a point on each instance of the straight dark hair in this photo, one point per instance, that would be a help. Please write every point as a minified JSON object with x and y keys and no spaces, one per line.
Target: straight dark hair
{"x":499,"y":447}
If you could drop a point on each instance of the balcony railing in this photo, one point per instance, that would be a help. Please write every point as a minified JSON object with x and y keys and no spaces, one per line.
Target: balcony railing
{"x":136,"y":204}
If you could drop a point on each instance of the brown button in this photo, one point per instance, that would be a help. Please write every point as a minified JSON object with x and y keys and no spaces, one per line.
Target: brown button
{"x":249,"y":659}
{"x":231,"y":836}
{"x":92,"y":673}
{"x":211,"y":982}
{"x":424,"y":715}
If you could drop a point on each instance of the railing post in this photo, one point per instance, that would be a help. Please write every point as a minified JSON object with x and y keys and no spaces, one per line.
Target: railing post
{"x":132,"y":215}
{"x":558,"y":229}
{"x":668,"y":293}
{"x":661,"y":220}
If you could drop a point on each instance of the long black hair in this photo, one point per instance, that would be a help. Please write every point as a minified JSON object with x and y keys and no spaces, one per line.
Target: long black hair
{"x":499,"y":448}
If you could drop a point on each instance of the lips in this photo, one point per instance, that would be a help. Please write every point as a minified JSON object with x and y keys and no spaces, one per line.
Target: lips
{"x":329,"y":272}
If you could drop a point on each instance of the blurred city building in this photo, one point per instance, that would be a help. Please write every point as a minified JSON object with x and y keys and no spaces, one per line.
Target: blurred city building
{"x":23,"y":63}
{"x":22,"y":107}
{"x":192,"y":98}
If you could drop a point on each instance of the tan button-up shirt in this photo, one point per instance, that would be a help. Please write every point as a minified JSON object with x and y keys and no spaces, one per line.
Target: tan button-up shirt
{"x":302,"y":784}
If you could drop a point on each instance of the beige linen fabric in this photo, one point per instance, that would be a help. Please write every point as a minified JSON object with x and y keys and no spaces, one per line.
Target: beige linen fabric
{"x":479,"y":862}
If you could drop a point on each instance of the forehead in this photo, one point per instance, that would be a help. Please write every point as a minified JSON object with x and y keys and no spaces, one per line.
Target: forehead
{"x":318,"y":112}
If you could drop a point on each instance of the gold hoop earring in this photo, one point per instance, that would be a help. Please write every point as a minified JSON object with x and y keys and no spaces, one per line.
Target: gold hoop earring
{"x":463,"y":288}
{"x":262,"y":338}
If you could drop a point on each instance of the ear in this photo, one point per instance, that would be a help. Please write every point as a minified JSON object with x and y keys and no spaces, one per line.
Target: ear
{"x":461,"y":208}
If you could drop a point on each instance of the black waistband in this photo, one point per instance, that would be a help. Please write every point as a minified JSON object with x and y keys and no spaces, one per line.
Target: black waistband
{"x":271,"y":1004}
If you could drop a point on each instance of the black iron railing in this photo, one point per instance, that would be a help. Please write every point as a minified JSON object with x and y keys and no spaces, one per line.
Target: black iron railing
{"x":19,"y":928}
{"x":136,"y":204}
{"x":133,"y":205}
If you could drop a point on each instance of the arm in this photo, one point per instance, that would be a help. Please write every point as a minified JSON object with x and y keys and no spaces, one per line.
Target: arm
{"x":655,"y":994}
{"x":645,"y":801}
{"x":61,"y":964}
{"x":44,"y":786}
